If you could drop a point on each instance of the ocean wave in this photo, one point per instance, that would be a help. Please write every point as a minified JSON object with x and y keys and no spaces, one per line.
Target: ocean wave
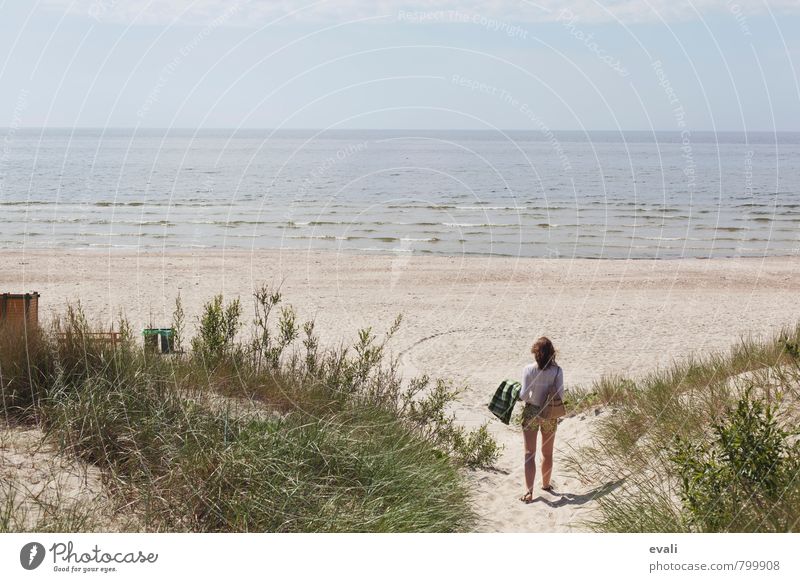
{"x":477,"y":224}
{"x":490,"y":207}
{"x":383,"y":250}
{"x":334,"y":237}
{"x":167,"y":204}
{"x":425,"y":206}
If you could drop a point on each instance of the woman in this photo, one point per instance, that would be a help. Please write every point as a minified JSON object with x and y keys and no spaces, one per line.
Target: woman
{"x":539,"y":380}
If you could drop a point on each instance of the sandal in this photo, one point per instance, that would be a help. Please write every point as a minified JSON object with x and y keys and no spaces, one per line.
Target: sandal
{"x":528,"y":497}
{"x":549,"y":488}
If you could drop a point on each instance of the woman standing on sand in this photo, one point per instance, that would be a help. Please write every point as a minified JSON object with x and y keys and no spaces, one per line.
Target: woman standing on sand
{"x":539,"y":380}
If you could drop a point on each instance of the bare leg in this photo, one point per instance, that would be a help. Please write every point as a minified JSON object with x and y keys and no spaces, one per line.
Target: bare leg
{"x":530,"y":457}
{"x":548,"y":440}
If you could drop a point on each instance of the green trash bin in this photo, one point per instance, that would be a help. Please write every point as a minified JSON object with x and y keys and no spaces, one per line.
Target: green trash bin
{"x":155,"y":337}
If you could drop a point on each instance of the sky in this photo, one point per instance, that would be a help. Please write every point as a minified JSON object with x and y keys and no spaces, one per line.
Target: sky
{"x":679,"y":65}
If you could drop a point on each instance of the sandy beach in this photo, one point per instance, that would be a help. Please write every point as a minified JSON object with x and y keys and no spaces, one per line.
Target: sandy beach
{"x":469,"y":319}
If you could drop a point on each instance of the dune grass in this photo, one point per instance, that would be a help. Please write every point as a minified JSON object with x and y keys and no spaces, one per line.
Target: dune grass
{"x":274,"y":433}
{"x":709,"y":444}
{"x":20,"y":511}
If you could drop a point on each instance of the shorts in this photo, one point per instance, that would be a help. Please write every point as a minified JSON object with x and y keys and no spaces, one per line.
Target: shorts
{"x":533,"y":422}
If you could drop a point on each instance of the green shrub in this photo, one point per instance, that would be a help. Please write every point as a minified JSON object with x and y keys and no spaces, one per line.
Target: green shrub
{"x":267,"y":346}
{"x":217,"y":329}
{"x":179,"y":324}
{"x":360,"y":375}
{"x":746,"y":479}
{"x":429,"y":416}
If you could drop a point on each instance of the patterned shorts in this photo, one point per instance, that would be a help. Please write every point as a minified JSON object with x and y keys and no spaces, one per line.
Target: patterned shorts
{"x":532,"y":422}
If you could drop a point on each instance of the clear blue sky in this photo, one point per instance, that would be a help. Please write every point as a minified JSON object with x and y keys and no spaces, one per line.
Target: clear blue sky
{"x":571,"y":64}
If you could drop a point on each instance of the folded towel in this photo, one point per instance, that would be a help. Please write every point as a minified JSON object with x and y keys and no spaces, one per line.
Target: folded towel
{"x":504,"y":399}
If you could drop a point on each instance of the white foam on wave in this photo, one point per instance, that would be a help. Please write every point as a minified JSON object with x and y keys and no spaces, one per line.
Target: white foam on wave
{"x":491,"y":207}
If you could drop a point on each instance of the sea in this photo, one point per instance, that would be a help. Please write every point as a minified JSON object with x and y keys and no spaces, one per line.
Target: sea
{"x":556,"y":194}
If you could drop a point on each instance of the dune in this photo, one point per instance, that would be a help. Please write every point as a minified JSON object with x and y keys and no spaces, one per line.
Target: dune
{"x":469,"y":319}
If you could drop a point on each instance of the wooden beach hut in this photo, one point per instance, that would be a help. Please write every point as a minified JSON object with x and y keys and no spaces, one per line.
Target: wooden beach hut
{"x":19,"y":309}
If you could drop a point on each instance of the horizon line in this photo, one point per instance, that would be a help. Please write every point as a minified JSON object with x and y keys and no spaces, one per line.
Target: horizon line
{"x":320,"y":129}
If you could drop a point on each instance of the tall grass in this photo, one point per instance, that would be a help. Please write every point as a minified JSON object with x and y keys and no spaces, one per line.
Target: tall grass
{"x":667,"y":420}
{"x":333,"y":439}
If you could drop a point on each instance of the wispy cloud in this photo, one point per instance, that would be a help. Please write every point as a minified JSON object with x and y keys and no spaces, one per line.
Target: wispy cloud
{"x":256,"y":12}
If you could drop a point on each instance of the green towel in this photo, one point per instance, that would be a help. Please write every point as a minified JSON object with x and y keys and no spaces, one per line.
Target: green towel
{"x":504,"y":399}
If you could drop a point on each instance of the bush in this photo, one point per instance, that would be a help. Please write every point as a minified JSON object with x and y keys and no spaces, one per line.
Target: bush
{"x":217,"y":330}
{"x":430,"y":418}
{"x":747,"y":479}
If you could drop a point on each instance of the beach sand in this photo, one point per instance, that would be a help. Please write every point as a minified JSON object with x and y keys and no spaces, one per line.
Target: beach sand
{"x":471,"y":319}
{"x":45,"y":485}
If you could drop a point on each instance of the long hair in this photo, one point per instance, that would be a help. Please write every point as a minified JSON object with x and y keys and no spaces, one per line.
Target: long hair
{"x":544,"y":353}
